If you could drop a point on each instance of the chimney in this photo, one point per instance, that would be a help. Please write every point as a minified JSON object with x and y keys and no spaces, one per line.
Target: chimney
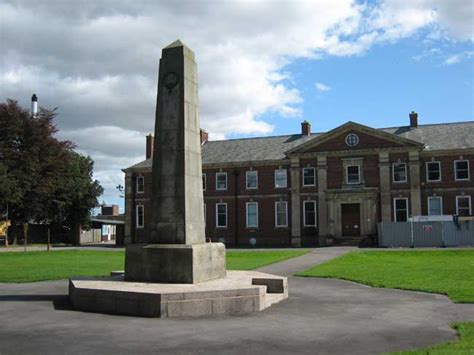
{"x":34,"y":105}
{"x":305,"y":128}
{"x":413,"y":119}
{"x":204,"y":136}
{"x":150,"y":142}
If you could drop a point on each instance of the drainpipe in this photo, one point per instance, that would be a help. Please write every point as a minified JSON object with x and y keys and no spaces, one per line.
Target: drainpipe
{"x":236,"y":203}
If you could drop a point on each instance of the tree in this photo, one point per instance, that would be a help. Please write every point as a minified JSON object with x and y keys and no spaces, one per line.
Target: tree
{"x":42,"y":179}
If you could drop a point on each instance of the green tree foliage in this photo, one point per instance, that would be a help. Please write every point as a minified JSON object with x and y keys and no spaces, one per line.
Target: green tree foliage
{"x":41,"y":177}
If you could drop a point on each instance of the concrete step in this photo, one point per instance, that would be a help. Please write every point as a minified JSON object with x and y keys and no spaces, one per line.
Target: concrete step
{"x":349,"y":240}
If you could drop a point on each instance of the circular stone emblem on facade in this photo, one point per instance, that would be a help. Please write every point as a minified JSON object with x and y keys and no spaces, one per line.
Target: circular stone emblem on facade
{"x":252,"y":241}
{"x":170,"y":80}
{"x":352,"y":139}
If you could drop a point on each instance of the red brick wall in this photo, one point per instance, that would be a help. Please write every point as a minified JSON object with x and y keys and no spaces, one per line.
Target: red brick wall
{"x":266,"y":181}
{"x":267,"y":194}
{"x":399,"y":158}
{"x":266,"y":233}
{"x":370,"y":171}
{"x":447,"y":171}
{"x":312,"y":163}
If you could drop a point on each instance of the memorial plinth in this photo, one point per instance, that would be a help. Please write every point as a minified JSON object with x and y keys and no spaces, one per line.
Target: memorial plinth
{"x":240,"y":292}
{"x":176,"y":273}
{"x":175,"y":263}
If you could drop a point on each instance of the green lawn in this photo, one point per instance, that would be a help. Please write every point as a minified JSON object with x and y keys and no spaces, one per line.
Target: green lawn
{"x":465,"y":345}
{"x":54,"y":265}
{"x":447,"y":272}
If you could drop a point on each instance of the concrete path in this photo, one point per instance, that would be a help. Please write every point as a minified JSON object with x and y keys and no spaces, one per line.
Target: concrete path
{"x":321,"y":316}
{"x":316,"y":256}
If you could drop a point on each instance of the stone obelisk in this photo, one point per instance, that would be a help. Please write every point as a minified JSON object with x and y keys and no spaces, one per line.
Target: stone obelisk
{"x":177,"y":251}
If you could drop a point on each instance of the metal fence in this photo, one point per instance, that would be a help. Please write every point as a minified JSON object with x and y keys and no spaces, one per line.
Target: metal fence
{"x":426,"y":234}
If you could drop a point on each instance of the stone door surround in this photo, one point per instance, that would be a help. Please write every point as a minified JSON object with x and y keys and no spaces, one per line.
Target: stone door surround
{"x":368,"y":200}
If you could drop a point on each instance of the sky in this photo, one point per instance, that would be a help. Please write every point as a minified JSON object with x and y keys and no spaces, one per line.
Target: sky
{"x":263,"y":66}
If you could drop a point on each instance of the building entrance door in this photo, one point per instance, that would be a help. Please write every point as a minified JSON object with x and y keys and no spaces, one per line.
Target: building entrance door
{"x":350,"y":219}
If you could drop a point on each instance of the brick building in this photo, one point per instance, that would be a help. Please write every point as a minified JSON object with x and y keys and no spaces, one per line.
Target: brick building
{"x":301,"y":189}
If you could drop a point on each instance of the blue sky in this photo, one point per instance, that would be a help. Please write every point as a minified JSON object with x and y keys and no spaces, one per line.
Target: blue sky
{"x":380,"y":87}
{"x":263,"y":66}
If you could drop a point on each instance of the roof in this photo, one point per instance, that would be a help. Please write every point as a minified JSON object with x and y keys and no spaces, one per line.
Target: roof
{"x":458,"y":135}
{"x":442,"y":136}
{"x":105,"y":219}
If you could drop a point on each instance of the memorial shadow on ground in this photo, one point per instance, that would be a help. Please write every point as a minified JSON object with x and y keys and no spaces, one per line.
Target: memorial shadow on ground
{"x":60,"y":302}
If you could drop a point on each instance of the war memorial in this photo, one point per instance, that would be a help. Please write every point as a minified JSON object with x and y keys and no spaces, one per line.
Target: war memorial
{"x":177,"y":273}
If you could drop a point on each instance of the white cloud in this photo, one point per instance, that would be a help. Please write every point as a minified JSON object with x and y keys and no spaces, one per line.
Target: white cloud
{"x":456,"y":58}
{"x":320,"y":87}
{"x":98,"y":61}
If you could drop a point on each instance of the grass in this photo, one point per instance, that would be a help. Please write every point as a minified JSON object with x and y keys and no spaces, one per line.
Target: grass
{"x":54,"y":265}
{"x":448,"y":272}
{"x":465,"y":345}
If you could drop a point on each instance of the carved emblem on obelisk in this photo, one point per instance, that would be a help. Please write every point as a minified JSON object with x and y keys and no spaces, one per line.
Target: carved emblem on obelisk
{"x":170,"y":81}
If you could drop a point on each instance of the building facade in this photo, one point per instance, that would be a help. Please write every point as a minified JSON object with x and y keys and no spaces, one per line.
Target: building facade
{"x":306,"y":188}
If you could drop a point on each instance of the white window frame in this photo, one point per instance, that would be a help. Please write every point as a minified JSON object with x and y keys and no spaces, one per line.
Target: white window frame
{"x":247,"y":179}
{"x":221,"y":174}
{"x":427,"y":171}
{"x":204,"y":182}
{"x":347,"y":175}
{"x":142,"y":178}
{"x":429,"y":203}
{"x":137,"y":207}
{"x":395,"y":208}
{"x":275,"y":179}
{"x":247,"y":214}
{"x":276,"y":214}
{"x":393,"y":172}
{"x":314,"y":175}
{"x":315,"y":213}
{"x":457,"y":204}
{"x":456,"y":170}
{"x":217,"y":215}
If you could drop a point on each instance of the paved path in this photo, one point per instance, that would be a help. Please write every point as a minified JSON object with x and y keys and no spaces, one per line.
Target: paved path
{"x":316,"y":256}
{"x":321,"y":316}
